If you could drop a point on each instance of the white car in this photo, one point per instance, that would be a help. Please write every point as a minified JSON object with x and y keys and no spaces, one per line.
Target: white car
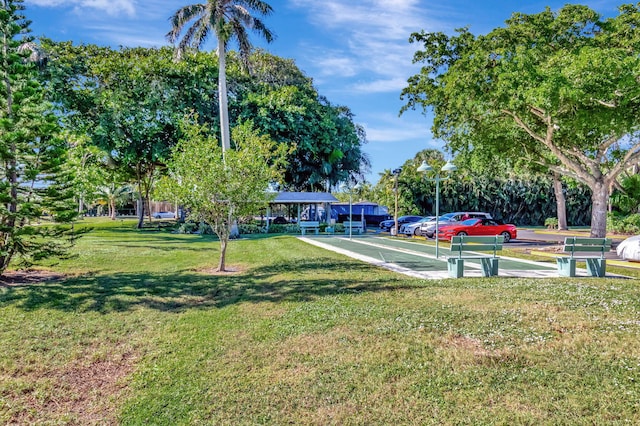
{"x":427,"y":229}
{"x":164,"y":215}
{"x":629,"y":249}
{"x":414,"y":227}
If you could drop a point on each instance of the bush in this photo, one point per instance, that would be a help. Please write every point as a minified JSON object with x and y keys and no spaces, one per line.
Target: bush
{"x":551,"y":223}
{"x":187,"y":228}
{"x":624,"y":224}
{"x":250,"y":228}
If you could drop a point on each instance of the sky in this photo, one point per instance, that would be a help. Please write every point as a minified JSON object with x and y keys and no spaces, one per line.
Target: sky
{"x":356,"y":51}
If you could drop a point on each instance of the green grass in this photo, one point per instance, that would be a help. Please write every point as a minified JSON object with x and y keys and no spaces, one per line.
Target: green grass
{"x":141,"y":333}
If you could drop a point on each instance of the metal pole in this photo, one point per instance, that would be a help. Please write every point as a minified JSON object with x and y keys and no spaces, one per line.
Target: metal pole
{"x":350,"y":218}
{"x":437,"y":210}
{"x":395,"y":223}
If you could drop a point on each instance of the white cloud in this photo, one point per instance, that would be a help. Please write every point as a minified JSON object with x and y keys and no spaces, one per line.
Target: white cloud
{"x":371,"y":36}
{"x":111,"y":7}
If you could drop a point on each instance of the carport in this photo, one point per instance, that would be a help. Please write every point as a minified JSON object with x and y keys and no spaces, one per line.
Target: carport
{"x":314,"y":206}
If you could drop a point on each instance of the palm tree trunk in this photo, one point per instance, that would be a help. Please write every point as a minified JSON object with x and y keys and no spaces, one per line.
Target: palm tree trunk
{"x":222,"y":95}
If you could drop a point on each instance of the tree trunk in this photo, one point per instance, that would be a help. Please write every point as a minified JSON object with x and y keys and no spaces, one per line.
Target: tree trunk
{"x":140,"y":211}
{"x":599,"y":201}
{"x":561,"y":202}
{"x":222,"y":95}
{"x":223,"y":254}
{"x":112,"y":209}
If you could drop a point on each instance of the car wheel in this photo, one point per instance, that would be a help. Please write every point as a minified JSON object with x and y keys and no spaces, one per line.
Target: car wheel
{"x":157,"y":216}
{"x":507,"y":236}
{"x":462,"y":233}
{"x":416,"y":232}
{"x":428,"y":235}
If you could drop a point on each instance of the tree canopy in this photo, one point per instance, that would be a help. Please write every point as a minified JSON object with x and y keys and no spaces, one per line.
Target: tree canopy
{"x":556,"y":88}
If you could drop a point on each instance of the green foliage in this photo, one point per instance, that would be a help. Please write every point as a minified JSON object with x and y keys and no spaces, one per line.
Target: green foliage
{"x":34,"y":182}
{"x":524,"y":200}
{"x":624,"y":224}
{"x":551,"y":223}
{"x":626,"y":199}
{"x":215,"y":185}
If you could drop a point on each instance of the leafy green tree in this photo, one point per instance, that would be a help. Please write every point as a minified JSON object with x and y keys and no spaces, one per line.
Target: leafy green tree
{"x":215,"y":191}
{"x":326,"y":144}
{"x":558,"y":88}
{"x":128,"y":102}
{"x":227,"y":20}
{"x":31,"y":154}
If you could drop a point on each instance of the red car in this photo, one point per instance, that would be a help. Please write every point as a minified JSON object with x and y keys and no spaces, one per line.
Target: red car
{"x":478,"y":227}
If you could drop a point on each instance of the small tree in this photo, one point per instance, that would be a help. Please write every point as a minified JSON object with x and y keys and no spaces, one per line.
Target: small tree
{"x":31,"y":153}
{"x":213,"y":190}
{"x":113,"y":194}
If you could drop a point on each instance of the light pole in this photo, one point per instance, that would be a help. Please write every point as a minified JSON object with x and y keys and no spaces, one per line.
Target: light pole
{"x":348,"y":187}
{"x":448,"y":168}
{"x":396,"y":173}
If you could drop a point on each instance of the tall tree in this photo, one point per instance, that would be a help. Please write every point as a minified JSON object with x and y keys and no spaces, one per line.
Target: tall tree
{"x":560,"y":87}
{"x":32,"y":154}
{"x":228,"y":20}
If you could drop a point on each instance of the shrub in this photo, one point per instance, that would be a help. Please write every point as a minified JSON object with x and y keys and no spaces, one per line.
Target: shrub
{"x":624,"y":224}
{"x":250,"y":228}
{"x":551,"y":223}
{"x":187,"y":228}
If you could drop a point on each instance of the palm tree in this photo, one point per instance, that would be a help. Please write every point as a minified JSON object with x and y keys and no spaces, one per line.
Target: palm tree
{"x":228,"y":20}
{"x":112,"y":194}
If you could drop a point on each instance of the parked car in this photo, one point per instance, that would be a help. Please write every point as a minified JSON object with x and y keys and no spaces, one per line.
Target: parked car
{"x":629,"y":249}
{"x":428,"y":229}
{"x":386,"y":225}
{"x":414,"y":227}
{"x":479,"y":227}
{"x":164,"y":215}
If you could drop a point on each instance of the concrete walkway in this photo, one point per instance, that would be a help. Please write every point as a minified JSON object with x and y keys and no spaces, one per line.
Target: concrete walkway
{"x":417,"y":259}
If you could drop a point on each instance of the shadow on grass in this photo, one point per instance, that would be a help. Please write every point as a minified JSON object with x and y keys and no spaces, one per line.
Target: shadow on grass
{"x":177,"y":292}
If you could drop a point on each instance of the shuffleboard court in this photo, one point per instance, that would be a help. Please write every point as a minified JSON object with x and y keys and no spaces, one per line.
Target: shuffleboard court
{"x":419,"y":259}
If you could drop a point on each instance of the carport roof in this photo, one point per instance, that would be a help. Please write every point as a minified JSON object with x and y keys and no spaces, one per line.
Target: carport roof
{"x":304,"y":198}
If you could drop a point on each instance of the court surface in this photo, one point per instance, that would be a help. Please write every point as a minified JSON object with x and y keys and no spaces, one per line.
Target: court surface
{"x":418,"y":259}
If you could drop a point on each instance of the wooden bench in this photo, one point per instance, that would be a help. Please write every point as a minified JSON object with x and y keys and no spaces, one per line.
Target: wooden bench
{"x":355,"y":226}
{"x":596,"y":263}
{"x":462,"y":243}
{"x":309,"y":225}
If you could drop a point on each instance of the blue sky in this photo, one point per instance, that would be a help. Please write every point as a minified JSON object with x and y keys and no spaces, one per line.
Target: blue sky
{"x":356,"y":51}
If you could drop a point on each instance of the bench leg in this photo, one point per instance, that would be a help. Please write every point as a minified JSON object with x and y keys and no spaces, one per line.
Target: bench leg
{"x":566,"y":266}
{"x":596,"y":267}
{"x":302,"y":231}
{"x":317,"y":231}
{"x":489,"y":267}
{"x":455,"y":267}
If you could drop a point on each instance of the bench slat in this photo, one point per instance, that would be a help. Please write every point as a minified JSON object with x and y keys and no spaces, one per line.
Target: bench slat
{"x":487,"y":239}
{"x":475,"y":247}
{"x":584,"y":249}
{"x":587,"y":241}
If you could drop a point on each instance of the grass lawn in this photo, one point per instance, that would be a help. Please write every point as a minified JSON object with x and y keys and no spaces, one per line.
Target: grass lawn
{"x":140,"y":331}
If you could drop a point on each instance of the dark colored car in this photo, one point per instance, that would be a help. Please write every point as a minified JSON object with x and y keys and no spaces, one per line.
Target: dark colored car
{"x":386,"y":225}
{"x":479,"y":227}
